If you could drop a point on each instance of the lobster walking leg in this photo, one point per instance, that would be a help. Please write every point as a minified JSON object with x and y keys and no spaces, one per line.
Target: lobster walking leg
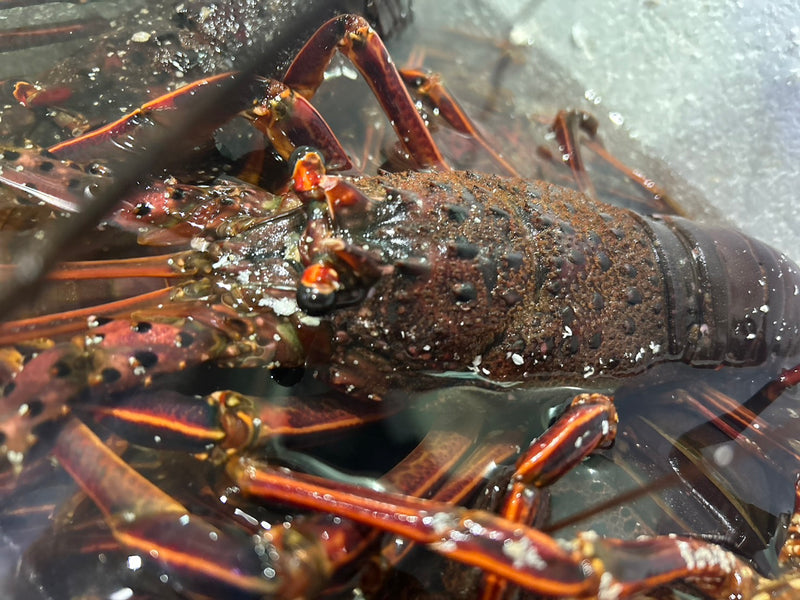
{"x":142,"y":517}
{"x":353,"y":36}
{"x":289,"y":121}
{"x":469,"y":476}
{"x":523,"y":555}
{"x":590,"y":422}
{"x":568,"y":125}
{"x":86,"y":146}
{"x":73,"y":321}
{"x":229,"y":421}
{"x":424,"y":467}
{"x":196,"y":554}
{"x":472,"y":537}
{"x":38,"y":35}
{"x":575,"y":130}
{"x":126,"y":354}
{"x":430,"y":88}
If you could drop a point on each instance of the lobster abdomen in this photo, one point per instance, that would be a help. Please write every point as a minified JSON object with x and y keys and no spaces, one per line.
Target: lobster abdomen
{"x":734,"y":300}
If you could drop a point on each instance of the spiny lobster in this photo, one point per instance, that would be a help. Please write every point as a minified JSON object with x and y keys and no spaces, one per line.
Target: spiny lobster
{"x":386,"y":289}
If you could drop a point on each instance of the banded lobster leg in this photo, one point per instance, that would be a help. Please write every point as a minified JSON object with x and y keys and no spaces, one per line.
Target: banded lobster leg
{"x":589,"y":567}
{"x":215,"y":427}
{"x":143,"y":519}
{"x":281,"y":109}
{"x":294,"y":122}
{"x":160,"y":212}
{"x":280,"y":562}
{"x":588,"y":423}
{"x":573,"y":130}
{"x":124,"y":354}
{"x":561,"y":445}
{"x":741,"y":422}
{"x":607,"y":568}
{"x":165,"y":419}
{"x":429,"y":86}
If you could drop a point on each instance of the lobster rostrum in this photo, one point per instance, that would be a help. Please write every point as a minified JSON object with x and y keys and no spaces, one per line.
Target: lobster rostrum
{"x":384,"y":287}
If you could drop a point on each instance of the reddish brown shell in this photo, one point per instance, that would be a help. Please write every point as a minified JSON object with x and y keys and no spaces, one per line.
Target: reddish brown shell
{"x":513,"y":280}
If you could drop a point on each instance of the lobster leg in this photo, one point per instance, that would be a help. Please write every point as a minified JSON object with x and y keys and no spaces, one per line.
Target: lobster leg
{"x":161,"y":212}
{"x":429,"y":87}
{"x":666,"y":202}
{"x":90,"y":145}
{"x":472,"y":537}
{"x":196,"y":554}
{"x":567,"y":126}
{"x":735,"y":419}
{"x":425,"y":466}
{"x":588,"y":423}
{"x":353,"y":37}
{"x":741,"y":423}
{"x":141,"y":516}
{"x":12,"y":332}
{"x":290,"y":121}
{"x":470,"y":474}
{"x":30,"y":37}
{"x":122,"y":355}
{"x":228,"y":420}
{"x":575,"y":128}
{"x":525,"y":556}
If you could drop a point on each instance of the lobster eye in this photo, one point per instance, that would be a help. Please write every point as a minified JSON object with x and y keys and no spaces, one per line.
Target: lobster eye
{"x":314,"y":301}
{"x":316,"y":294}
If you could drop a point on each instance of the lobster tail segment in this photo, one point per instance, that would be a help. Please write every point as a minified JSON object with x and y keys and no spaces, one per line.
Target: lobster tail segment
{"x":733,"y":300}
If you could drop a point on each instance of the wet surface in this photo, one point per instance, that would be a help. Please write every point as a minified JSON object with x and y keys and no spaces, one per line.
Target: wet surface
{"x":710,"y":89}
{"x":692,"y":479}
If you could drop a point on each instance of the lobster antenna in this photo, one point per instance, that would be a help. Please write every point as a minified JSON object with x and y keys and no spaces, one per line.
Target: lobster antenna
{"x":35,"y":258}
{"x":659,"y":484}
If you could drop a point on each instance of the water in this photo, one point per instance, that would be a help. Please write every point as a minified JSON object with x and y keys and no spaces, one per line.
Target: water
{"x":694,"y":480}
